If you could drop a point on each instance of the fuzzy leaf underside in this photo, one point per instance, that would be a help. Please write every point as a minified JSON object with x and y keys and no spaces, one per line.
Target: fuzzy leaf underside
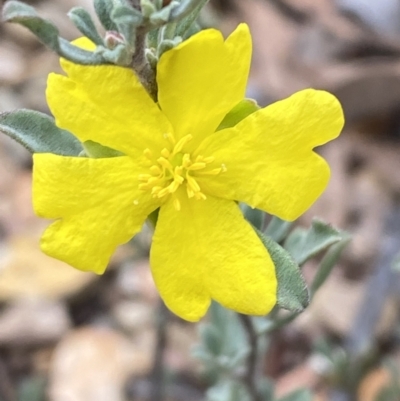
{"x":292,"y":290}
{"x":38,"y":133}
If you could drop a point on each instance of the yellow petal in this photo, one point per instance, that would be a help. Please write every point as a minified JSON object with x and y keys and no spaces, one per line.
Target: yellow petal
{"x":84,"y":43}
{"x":268,"y":156}
{"x":106,"y":104}
{"x":207,"y":250}
{"x":98,"y":202}
{"x":202,"y":79}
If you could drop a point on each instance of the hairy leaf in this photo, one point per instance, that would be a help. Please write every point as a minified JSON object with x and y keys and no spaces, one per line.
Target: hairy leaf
{"x":38,"y":133}
{"x":292,"y":289}
{"x":304,"y":244}
{"x":83,"y":21}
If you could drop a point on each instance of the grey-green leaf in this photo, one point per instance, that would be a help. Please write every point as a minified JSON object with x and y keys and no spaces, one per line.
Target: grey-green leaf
{"x":188,"y":23}
{"x":97,"y":151}
{"x":298,"y":395}
{"x":38,"y":133}
{"x":328,"y":262}
{"x":254,"y":216}
{"x":127,"y":20}
{"x":83,"y":21}
{"x":277,"y":229}
{"x":80,"y":56}
{"x":228,"y":390}
{"x":304,"y":244}
{"x":292,"y":289}
{"x":18,"y":12}
{"x":238,"y":113}
{"x":103,"y":10}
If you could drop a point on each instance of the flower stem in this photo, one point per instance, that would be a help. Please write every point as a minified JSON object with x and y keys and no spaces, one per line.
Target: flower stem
{"x":157,"y":375}
{"x":250,"y":378}
{"x":141,"y":65}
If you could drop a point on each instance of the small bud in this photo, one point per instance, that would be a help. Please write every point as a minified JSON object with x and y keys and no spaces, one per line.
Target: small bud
{"x":112,"y":39}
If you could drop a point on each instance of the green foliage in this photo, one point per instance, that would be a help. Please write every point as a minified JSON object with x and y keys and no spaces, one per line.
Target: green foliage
{"x":38,"y":133}
{"x":278,"y":229}
{"x":228,"y":390}
{"x":328,"y":262}
{"x":119,"y":17}
{"x":32,"y":389}
{"x":238,"y":113}
{"x":292,"y":289}
{"x":97,"y":151}
{"x":103,"y":10}
{"x":298,"y":395}
{"x":127,"y":20}
{"x":46,"y":32}
{"x":16,"y":11}
{"x":224,"y":346}
{"x":304,"y":244}
{"x":187,"y":26}
{"x":83,"y":21}
{"x":266,"y":389}
{"x":254,"y":216}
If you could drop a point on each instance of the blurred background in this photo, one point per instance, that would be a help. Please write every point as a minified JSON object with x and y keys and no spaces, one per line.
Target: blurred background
{"x":72,"y":336}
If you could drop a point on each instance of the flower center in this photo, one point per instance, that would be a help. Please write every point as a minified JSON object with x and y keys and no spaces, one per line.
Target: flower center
{"x":174,"y":168}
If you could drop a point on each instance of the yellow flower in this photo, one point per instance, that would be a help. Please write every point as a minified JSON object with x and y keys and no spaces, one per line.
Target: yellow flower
{"x":174,"y":159}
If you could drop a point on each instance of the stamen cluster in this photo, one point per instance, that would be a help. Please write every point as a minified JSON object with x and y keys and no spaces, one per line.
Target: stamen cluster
{"x":173,"y":168}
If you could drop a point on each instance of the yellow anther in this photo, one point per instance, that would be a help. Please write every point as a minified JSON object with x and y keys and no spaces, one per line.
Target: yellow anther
{"x":223,"y":167}
{"x":155,"y":170}
{"x":173,"y":169}
{"x":182,"y":142}
{"x":135,"y":202}
{"x":166,"y":153}
{"x":147,"y":152}
{"x":156,"y":190}
{"x":173,"y":186}
{"x":178,"y":170}
{"x":163,"y":192}
{"x":186,"y":160}
{"x":162,"y":161}
{"x":192,"y":183}
{"x":177,"y":204}
{"x":179,"y":179}
{"x":197,"y":166}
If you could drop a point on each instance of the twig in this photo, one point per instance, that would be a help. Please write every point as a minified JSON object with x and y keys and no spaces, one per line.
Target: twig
{"x":250,"y":378}
{"x":157,"y":375}
{"x":142,"y":67}
{"x":140,"y":64}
